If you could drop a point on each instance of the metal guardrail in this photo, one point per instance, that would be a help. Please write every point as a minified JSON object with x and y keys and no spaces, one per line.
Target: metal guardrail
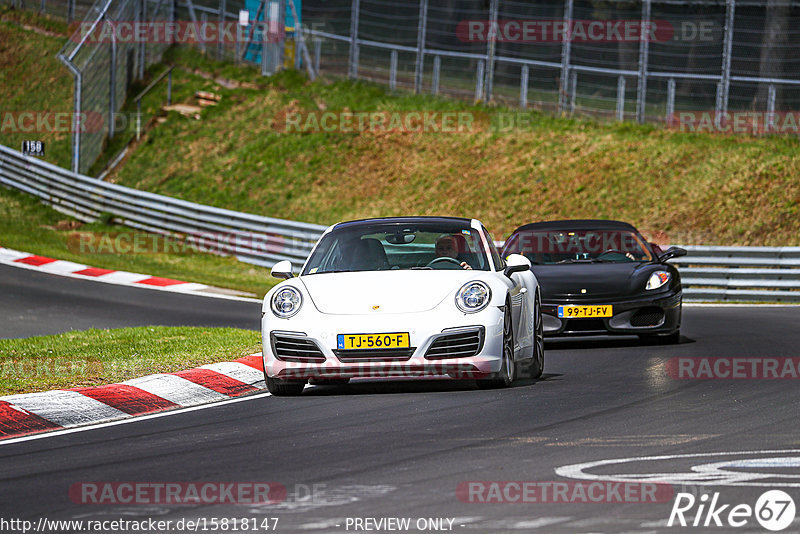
{"x":708,"y":273}
{"x":740,"y":273}
{"x":251,"y":238}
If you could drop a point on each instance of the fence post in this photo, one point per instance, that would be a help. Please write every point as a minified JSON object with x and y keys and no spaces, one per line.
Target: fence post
{"x":491,"y":49}
{"x":42,"y":7}
{"x":264,"y":36}
{"x":573,"y":89}
{"x":220,"y":45}
{"x":437,"y":67}
{"x":479,"y":80}
{"x":353,"y":67}
{"x":422,"y":28}
{"x":771,"y":108}
{"x":112,"y":85}
{"x":718,"y":106}
{"x":727,"y":50}
{"x":523,"y":87}
{"x":393,"y":70}
{"x":670,"y":99}
{"x":566,"y":49}
{"x":317,"y":53}
{"x":77,"y":124}
{"x":621,"y":98}
{"x":644,"y":48}
{"x":70,"y":13}
{"x":142,"y":45}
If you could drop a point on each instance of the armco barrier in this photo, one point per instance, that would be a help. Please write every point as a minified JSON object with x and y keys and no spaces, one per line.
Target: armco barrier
{"x":251,"y":238}
{"x":769,"y":274}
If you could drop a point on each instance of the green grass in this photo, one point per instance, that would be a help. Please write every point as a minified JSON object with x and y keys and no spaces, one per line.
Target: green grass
{"x":28,"y":225}
{"x":95,"y":357}
{"x":33,"y":80}
{"x":676,"y":187}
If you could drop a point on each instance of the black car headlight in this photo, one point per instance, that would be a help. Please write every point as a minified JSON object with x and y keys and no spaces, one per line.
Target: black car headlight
{"x":658,"y":279}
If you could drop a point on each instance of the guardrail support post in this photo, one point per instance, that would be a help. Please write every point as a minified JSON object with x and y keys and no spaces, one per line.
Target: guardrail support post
{"x":393,"y":70}
{"x":771,"y":108}
{"x":112,"y":86}
{"x":573,"y":89}
{"x":437,"y":67}
{"x":621,"y":98}
{"x":479,"y":81}
{"x":353,"y":63}
{"x":644,"y":48}
{"x":419,"y":63}
{"x":523,"y":87}
{"x":670,"y":99}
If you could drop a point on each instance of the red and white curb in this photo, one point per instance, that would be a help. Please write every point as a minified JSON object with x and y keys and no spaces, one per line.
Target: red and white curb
{"x":29,"y":413}
{"x":71,"y":269}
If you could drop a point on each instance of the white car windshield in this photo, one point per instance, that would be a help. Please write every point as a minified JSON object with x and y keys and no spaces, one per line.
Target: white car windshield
{"x":384,"y":246}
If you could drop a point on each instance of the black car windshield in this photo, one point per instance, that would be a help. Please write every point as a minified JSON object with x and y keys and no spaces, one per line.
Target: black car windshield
{"x":391,"y":245}
{"x":579,"y":246}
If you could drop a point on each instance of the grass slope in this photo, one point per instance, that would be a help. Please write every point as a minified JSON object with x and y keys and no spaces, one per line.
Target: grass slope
{"x":95,"y":357}
{"x":33,"y":80}
{"x":677,"y":187}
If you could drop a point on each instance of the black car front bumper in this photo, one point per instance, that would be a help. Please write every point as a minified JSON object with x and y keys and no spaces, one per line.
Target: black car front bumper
{"x":643,"y":315}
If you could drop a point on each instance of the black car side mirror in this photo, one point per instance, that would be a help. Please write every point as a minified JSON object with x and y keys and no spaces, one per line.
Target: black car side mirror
{"x":672,"y":252}
{"x":516,"y":263}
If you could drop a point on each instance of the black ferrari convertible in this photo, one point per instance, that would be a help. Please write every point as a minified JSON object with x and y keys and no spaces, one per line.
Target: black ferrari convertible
{"x":601,"y":277}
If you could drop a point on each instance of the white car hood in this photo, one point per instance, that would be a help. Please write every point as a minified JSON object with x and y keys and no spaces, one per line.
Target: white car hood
{"x":406,"y":291}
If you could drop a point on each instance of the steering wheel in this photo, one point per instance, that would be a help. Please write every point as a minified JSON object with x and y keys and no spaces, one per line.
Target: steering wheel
{"x":444,"y":259}
{"x":615,"y":251}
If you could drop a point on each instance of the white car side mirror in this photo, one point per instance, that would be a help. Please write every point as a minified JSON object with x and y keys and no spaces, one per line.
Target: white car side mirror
{"x":516,"y":263}
{"x":282,"y":269}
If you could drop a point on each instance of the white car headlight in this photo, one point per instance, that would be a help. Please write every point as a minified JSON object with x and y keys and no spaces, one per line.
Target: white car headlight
{"x":473,"y":297}
{"x":286,"y":302}
{"x":657,"y":279}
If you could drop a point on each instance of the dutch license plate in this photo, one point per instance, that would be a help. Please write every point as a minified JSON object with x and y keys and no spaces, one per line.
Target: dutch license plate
{"x":394,"y":340}
{"x":580,"y":312}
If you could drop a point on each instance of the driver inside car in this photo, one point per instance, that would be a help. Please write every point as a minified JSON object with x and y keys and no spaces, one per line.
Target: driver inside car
{"x":446,"y":247}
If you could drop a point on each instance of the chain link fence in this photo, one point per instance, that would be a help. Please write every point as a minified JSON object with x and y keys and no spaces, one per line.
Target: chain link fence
{"x":699,"y":65}
{"x":680,"y":60}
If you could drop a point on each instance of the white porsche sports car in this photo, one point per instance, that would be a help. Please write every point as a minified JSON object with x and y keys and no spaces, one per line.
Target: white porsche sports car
{"x":403,"y":296}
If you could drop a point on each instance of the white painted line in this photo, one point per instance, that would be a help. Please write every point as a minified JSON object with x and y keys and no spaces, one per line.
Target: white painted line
{"x":238,"y":371}
{"x":105,"y":280}
{"x":62,"y":266}
{"x":187,"y":287}
{"x":176,"y":389}
{"x":170,"y":413}
{"x":124,"y":276}
{"x":8,"y":254}
{"x":65,"y":408}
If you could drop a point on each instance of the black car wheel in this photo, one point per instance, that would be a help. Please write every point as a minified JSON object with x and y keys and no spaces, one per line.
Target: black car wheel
{"x":508,"y":368}
{"x":284,"y":388}
{"x":536,"y":367}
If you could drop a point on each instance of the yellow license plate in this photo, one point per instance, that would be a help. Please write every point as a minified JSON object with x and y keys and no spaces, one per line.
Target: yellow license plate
{"x":580,"y":312}
{"x":394,"y":340}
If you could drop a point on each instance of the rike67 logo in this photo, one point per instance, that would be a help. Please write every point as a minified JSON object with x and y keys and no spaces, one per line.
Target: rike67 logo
{"x":774,"y":510}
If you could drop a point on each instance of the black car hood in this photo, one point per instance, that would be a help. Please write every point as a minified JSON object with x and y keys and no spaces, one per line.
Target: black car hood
{"x":592,"y":280}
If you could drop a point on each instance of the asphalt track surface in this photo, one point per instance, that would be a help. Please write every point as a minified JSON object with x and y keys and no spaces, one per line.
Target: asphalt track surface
{"x":400,"y":449}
